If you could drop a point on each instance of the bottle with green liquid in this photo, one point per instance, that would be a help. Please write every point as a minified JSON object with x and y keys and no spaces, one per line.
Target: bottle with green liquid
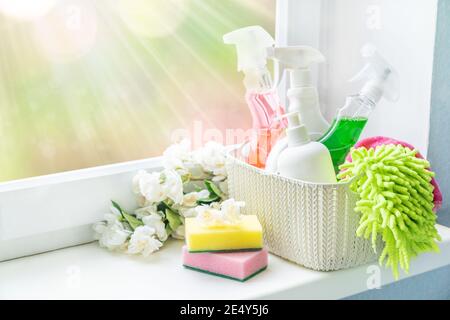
{"x":351,"y":119}
{"x":344,"y":131}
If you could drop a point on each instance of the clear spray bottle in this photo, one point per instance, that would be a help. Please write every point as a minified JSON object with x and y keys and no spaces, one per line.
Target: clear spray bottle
{"x":351,"y":119}
{"x":262,"y":99}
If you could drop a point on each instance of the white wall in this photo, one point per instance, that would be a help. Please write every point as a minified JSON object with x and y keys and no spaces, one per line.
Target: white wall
{"x":403,"y":31}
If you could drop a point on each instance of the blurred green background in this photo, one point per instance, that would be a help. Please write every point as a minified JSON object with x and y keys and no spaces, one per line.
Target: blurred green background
{"x":93,"y":82}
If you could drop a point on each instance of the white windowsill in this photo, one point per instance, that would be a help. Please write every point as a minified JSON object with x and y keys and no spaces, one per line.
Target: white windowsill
{"x":49,"y":212}
{"x":80,"y":174}
{"x":89,"y":272}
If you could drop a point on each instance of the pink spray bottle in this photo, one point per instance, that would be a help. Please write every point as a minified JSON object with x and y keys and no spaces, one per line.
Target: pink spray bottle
{"x":262,"y":98}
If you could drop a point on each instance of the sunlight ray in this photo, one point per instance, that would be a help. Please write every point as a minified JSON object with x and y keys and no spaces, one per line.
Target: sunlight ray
{"x":74,"y":100}
{"x":176,"y":82}
{"x":178,"y":86}
{"x":120,"y":35}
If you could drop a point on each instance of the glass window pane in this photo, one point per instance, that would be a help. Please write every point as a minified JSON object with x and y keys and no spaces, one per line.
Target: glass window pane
{"x":93,"y":82}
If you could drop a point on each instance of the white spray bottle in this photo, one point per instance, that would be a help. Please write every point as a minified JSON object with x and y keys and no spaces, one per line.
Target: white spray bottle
{"x":303,"y":159}
{"x":303,"y":96}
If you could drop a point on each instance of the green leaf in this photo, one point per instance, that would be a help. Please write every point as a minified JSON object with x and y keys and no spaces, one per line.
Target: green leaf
{"x":132,"y":221}
{"x":116,"y":205}
{"x":168,"y":230}
{"x":210,"y":199}
{"x":213,"y":189}
{"x":173,"y":218}
{"x":162,"y":206}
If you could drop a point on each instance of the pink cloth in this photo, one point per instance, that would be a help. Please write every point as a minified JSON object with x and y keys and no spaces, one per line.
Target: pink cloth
{"x":378,"y":141}
{"x":237,"y":265}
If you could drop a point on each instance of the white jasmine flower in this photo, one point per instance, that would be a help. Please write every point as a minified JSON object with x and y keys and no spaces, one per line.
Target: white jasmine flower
{"x":190,"y":199}
{"x":208,"y":215}
{"x":220,"y":174}
{"x":203,"y":194}
{"x":143,"y":241}
{"x":226,"y":213}
{"x":142,"y":201}
{"x":187,"y":212}
{"x":154,"y":221}
{"x":179,"y":233}
{"x":112,"y":237}
{"x":110,"y":233}
{"x":136,"y":180}
{"x":146,"y":211}
{"x":172,"y":185}
{"x":231,"y":210}
{"x":215,"y":205}
{"x":212,"y":157}
{"x":185,"y":172}
{"x":150,"y":186}
{"x":156,"y":187}
{"x":176,"y":156}
{"x":196,"y":171}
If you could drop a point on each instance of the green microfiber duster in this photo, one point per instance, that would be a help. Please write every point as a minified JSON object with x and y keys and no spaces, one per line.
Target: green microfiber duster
{"x":396,"y":202}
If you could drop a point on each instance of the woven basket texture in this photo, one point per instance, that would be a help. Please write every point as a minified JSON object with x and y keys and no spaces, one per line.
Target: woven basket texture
{"x":313,"y":225}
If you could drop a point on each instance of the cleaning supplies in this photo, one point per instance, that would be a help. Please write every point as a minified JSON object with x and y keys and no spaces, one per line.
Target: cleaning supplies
{"x":352,"y":118}
{"x":244,"y":235}
{"x":303,"y":95}
{"x":374,"y":142}
{"x":396,"y":201}
{"x":304,"y":159}
{"x":262,"y":99}
{"x":221,"y":241}
{"x":221,"y":227}
{"x":233,"y":265}
{"x":297,"y":60}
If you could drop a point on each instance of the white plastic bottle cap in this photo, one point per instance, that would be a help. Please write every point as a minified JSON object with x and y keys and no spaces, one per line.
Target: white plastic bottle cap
{"x":296,"y":132}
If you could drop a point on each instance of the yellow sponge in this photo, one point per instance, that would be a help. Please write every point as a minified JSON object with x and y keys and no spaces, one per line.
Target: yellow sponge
{"x":246,"y":235}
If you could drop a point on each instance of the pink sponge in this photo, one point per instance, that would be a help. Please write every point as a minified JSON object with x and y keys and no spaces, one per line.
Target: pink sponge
{"x":234,"y":265}
{"x":378,"y":141}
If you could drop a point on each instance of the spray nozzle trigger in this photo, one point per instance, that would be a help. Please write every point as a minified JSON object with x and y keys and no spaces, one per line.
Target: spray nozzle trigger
{"x":251,"y":45}
{"x":382,"y":77}
{"x":293,"y":118}
{"x":296,"y":59}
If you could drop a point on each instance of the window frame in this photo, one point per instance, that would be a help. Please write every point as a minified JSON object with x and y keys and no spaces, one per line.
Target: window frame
{"x":292,"y":17}
{"x":32,"y":206}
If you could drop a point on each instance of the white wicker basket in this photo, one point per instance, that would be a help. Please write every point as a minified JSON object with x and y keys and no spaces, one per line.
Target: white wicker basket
{"x":313,"y":225}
